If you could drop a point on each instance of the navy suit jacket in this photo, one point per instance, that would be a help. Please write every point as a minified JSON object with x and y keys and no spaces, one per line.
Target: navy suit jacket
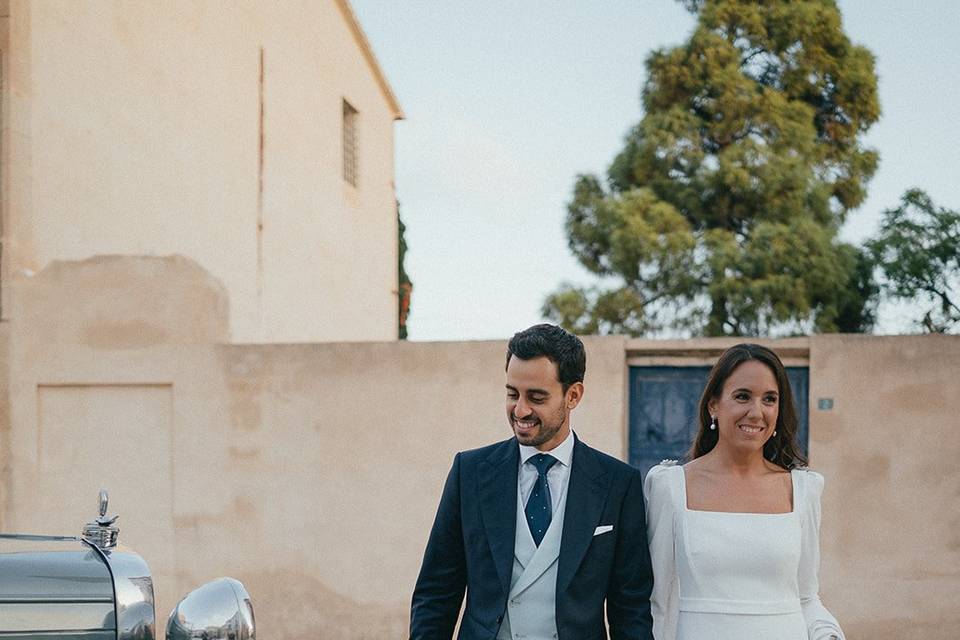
{"x":471,"y":548}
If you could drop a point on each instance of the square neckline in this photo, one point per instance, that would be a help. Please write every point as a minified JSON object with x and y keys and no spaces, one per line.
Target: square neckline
{"x":793,"y":499}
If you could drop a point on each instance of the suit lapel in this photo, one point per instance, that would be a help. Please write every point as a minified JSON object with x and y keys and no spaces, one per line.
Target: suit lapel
{"x":586,"y":497}
{"x":498,"y":505}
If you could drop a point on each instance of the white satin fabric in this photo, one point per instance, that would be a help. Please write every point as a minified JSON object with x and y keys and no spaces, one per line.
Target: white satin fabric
{"x":722,"y":576}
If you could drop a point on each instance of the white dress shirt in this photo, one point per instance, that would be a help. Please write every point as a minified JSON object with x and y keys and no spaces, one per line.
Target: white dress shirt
{"x":558,"y":476}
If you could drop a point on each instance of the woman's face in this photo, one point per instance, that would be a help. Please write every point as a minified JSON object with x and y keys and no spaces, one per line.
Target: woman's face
{"x":747,"y":407}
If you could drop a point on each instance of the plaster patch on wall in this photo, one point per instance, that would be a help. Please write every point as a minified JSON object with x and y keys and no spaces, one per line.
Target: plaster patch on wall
{"x":134,"y":334}
{"x":244,"y":455}
{"x":295,"y":604}
{"x":241,"y":509}
{"x":829,"y":431}
{"x":244,"y":403}
{"x":913,"y":397}
{"x":123,"y":302}
{"x":245,"y":372}
{"x":876,"y":468}
{"x":944,"y":628}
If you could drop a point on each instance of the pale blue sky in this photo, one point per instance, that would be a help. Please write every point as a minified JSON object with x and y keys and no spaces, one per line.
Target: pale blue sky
{"x":507,"y":101}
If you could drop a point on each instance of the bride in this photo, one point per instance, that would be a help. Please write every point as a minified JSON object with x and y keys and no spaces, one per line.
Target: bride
{"x":734,"y":533}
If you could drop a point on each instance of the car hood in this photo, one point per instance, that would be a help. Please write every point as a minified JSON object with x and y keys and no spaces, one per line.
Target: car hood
{"x":52,"y":568}
{"x":55,"y":584}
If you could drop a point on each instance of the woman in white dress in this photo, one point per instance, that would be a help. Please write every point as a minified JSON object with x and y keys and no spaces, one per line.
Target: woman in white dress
{"x":734,"y":533}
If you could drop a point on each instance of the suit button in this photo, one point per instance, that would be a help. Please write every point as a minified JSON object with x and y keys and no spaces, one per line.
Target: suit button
{"x":499,"y":619}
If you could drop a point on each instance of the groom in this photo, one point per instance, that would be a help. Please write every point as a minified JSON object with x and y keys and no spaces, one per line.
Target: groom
{"x":540,"y":530}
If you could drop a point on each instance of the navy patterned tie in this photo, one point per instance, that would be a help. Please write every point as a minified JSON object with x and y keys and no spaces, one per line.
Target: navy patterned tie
{"x":539,"y":509}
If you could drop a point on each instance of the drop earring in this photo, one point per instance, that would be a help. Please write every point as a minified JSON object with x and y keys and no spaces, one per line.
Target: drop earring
{"x":713,"y":423}
{"x":774,"y":434}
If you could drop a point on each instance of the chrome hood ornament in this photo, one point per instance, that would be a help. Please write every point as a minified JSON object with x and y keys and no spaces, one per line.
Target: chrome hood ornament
{"x":102,"y":532}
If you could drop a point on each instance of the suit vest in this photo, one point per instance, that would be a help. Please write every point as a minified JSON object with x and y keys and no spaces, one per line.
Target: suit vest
{"x":532,"y":603}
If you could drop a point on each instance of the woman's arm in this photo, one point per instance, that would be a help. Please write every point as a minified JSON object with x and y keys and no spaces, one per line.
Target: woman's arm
{"x":664,"y":600}
{"x":821,"y":625}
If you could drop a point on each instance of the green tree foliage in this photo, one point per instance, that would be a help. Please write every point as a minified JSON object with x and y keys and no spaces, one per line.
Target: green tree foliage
{"x":720,"y":214}
{"x":404,"y":284}
{"x":917,"y":251}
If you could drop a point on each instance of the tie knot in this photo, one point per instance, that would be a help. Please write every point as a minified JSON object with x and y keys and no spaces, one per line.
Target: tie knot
{"x":542,"y":462}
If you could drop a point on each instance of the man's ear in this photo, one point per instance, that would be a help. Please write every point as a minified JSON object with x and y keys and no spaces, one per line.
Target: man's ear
{"x":574,"y":395}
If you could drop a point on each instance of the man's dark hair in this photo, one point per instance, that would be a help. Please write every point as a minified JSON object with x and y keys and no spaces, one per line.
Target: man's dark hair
{"x":555,"y":343}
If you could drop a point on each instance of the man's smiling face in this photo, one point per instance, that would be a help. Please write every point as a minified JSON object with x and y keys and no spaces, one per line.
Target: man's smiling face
{"x":538,"y":409}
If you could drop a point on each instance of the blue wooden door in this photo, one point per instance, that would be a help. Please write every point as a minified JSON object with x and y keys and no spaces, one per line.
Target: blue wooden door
{"x":663,"y":410}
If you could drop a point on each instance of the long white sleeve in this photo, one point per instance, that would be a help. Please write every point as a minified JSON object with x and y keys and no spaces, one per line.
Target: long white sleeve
{"x":660,"y":498}
{"x":821,"y":625}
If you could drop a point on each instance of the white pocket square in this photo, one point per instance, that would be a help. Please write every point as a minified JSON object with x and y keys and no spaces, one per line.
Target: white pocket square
{"x":604,"y":528}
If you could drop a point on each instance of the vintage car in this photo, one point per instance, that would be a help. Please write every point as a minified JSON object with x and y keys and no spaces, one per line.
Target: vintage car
{"x":88,"y":587}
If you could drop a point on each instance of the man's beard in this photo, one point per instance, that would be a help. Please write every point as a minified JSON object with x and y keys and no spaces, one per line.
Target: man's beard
{"x":546,"y":431}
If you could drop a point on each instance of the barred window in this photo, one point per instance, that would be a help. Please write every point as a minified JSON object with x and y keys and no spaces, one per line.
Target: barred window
{"x":350,"y":151}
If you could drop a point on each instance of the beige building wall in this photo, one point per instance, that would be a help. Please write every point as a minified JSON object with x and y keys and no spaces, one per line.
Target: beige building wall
{"x":309,"y":472}
{"x":889,"y":451}
{"x":213,"y":131}
{"x":312,"y":472}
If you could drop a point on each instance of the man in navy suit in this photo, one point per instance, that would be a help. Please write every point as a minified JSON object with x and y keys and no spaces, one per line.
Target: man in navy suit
{"x":540,"y":530}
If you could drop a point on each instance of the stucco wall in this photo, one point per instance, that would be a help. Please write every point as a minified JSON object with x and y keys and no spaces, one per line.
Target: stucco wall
{"x":212,"y":131}
{"x":888,"y":449}
{"x":106,"y":384}
{"x":346,"y":448}
{"x":309,"y":472}
{"x":312,"y":472}
{"x":6,"y":461}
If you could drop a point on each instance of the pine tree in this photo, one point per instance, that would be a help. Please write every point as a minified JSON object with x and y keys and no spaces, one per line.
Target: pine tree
{"x":720,"y":215}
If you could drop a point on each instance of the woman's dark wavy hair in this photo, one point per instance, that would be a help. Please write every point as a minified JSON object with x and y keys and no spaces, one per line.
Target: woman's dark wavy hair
{"x":781,"y":449}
